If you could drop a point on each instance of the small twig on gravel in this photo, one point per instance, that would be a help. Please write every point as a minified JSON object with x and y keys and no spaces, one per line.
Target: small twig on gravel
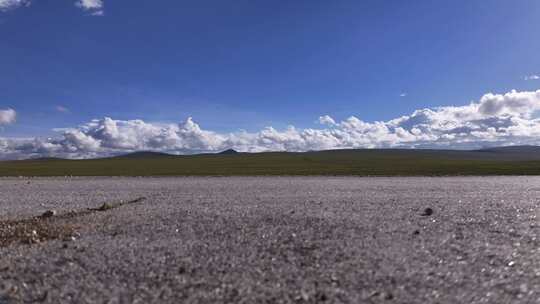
{"x":108,"y":206}
{"x":48,"y":226}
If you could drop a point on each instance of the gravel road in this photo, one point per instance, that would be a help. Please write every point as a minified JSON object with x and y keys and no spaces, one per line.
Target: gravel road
{"x":270,"y":240}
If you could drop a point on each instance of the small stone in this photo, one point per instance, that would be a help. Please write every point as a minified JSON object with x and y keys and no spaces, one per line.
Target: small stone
{"x":374,"y":294}
{"x":105,"y":207}
{"x":416,"y":232}
{"x":48,"y":213}
{"x":427,"y":212}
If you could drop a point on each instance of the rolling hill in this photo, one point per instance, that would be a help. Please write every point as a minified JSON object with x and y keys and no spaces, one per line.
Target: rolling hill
{"x":365,"y":162}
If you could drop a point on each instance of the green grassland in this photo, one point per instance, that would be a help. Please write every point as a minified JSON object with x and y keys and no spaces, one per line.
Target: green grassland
{"x":339,"y":162}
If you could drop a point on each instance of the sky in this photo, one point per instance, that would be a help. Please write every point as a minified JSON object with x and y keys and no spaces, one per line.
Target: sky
{"x":90,"y":78}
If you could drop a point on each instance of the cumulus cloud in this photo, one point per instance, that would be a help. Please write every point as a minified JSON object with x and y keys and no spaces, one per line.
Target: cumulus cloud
{"x":513,"y":103}
{"x":7,"y":116}
{"x":494,"y":120}
{"x":95,"y":7}
{"x":11,"y":4}
{"x":326,"y":120}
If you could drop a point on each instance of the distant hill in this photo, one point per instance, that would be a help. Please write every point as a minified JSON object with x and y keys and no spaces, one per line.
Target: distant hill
{"x":516,"y":160}
{"x":513,"y":149}
{"x":228,"y":152}
{"x":513,"y":152}
{"x":45,"y":159}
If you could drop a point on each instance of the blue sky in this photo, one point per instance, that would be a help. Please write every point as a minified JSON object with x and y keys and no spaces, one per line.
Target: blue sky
{"x":247,"y":65}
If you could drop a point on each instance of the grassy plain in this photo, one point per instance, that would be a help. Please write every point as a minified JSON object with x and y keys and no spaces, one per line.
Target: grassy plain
{"x":338,"y":162}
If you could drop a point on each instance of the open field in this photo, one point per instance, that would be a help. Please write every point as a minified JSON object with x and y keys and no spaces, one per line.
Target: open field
{"x":502,"y":161}
{"x":270,"y":240}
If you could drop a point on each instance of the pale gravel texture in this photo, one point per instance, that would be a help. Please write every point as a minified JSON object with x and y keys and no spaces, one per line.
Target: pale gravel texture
{"x":278,"y":240}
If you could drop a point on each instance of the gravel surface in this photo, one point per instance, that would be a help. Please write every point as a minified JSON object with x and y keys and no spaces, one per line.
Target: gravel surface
{"x":270,"y":240}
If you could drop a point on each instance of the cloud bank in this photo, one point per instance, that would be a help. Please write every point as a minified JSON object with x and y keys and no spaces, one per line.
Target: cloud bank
{"x":494,"y":120}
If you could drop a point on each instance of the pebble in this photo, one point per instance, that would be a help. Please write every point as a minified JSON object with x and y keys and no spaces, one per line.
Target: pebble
{"x":427,"y":212}
{"x":70,"y":239}
{"x":48,"y":213}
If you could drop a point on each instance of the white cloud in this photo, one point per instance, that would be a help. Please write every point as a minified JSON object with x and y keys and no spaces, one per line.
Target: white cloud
{"x":532,"y":77}
{"x":11,"y":4}
{"x":98,"y":13}
{"x":403,"y":94}
{"x":326,"y":120}
{"x":95,"y":7}
{"x":90,"y":4}
{"x":513,"y":103}
{"x":7,"y":116}
{"x":496,"y":119}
